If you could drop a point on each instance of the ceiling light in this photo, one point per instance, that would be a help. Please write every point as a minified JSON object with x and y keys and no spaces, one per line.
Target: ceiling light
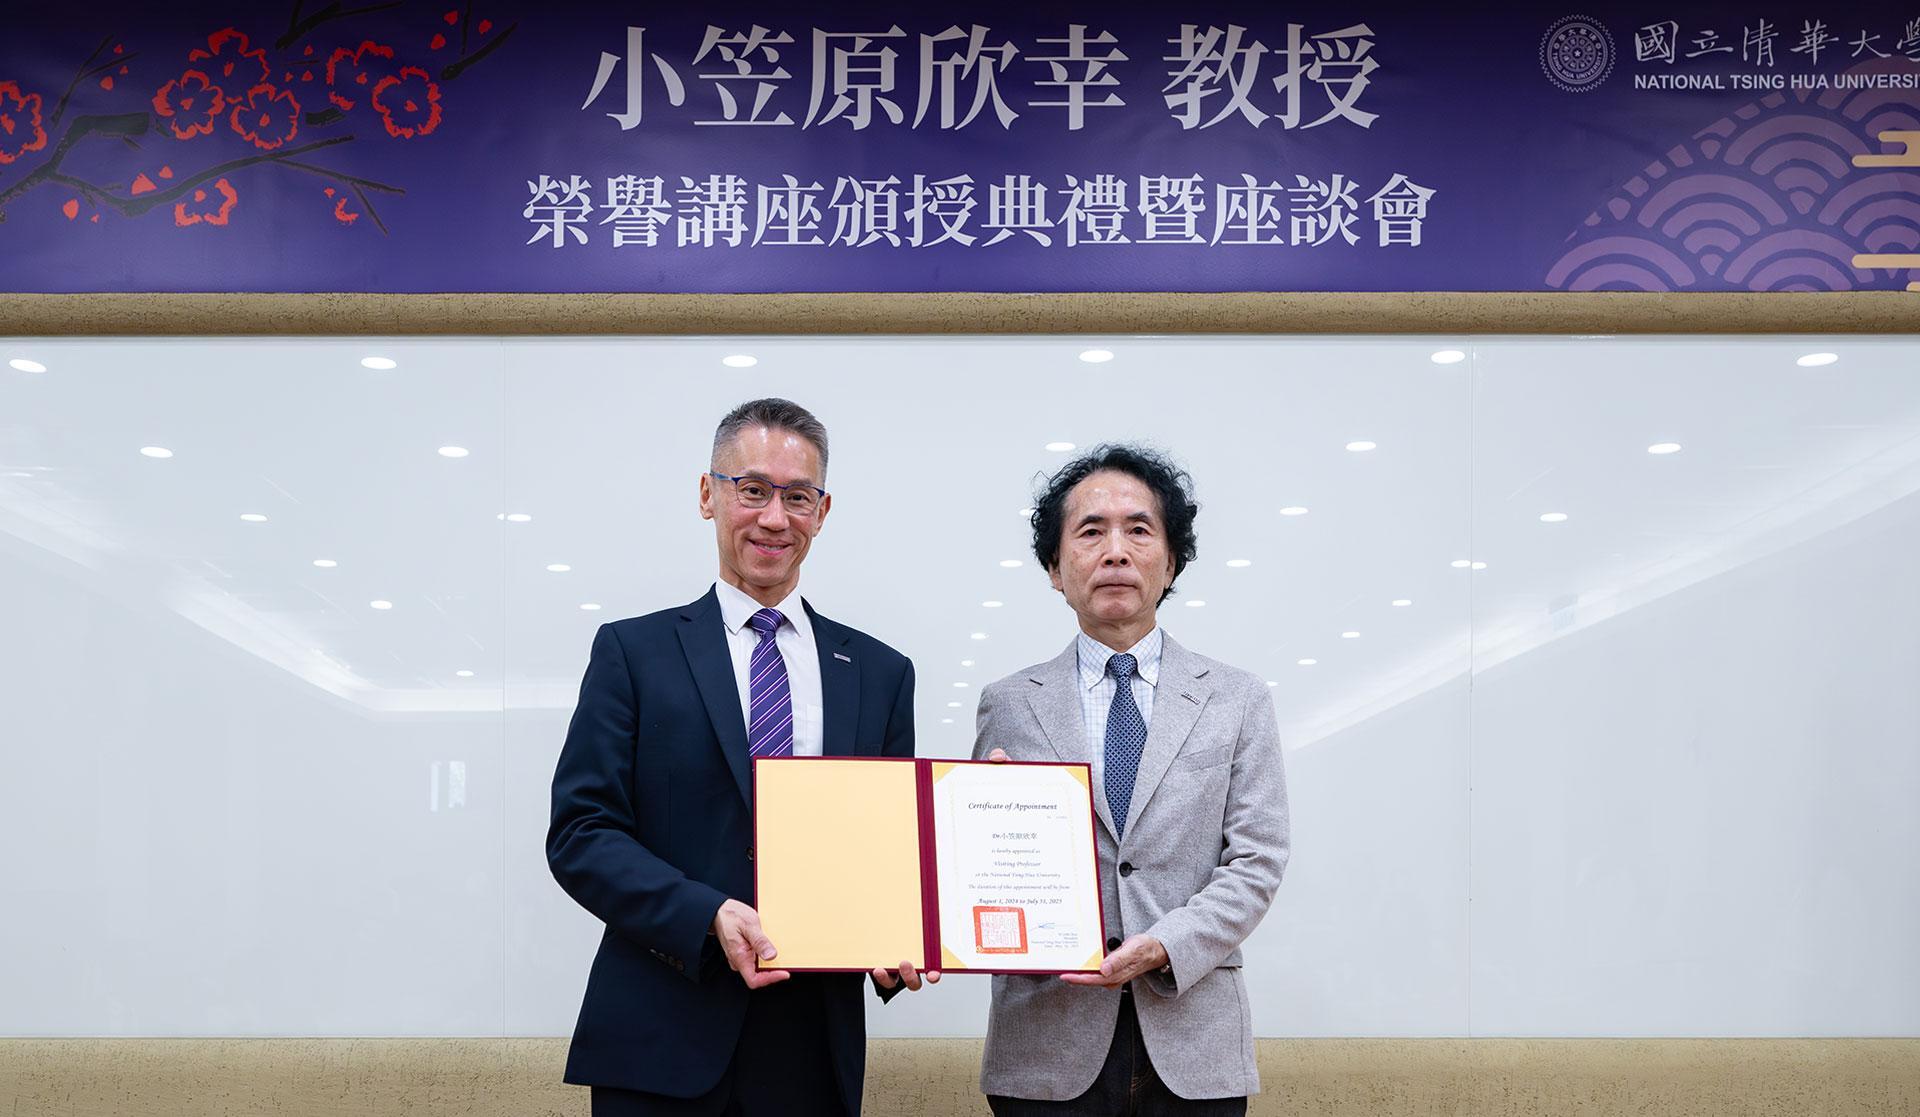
{"x":1349,"y":636}
{"x":464,"y":674}
{"x":1096,"y":356}
{"x":1811,"y":360}
{"x":953,"y":705}
{"x":1270,"y":682}
{"x":1361,"y":446}
{"x":966,"y":663}
{"x":1025,"y":513}
{"x":325,"y":564}
{"x":453,"y":451}
{"x":590,"y":606}
{"x":1553,"y":517}
{"x":515,"y":517}
{"x":1196,"y":604}
{"x":1402,"y":602}
{"x":991,"y":604}
{"x":156,"y":451}
{"x":1059,"y":447}
{"x":1306,"y":662}
{"x":558,"y":568}
{"x":381,"y":604}
{"x":946,"y":721}
{"x":253,"y":517}
{"x":380,"y":364}
{"x":959,"y":684}
{"x":1479,"y":566}
{"x":1461,"y":564}
{"x":739,"y":360}
{"x":1664,"y":448}
{"x":979,"y":635}
{"x":1011,"y":563}
{"x":1448,"y":357}
{"x":1293,"y":510}
{"x":23,"y":365}
{"x":1239,"y":564}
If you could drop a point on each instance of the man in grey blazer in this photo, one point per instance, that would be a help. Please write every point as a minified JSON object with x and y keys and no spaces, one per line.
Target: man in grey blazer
{"x":1192,"y":801}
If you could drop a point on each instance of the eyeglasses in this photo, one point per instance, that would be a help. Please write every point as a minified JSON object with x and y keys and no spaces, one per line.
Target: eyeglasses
{"x":799,"y":499}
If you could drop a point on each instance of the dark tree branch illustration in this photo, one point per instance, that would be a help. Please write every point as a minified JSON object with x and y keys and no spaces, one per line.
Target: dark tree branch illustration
{"x":297,"y":27}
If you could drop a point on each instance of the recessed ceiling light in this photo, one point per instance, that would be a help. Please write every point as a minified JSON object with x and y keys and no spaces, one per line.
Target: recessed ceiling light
{"x":1011,"y":563}
{"x":1026,"y":513}
{"x":946,"y":721}
{"x":1239,"y":564}
{"x":1811,"y":360}
{"x":1479,"y":566}
{"x":1361,"y":446}
{"x":379,"y":364}
{"x":739,"y":360}
{"x":516,"y":517}
{"x":953,"y":705}
{"x":1448,"y":357}
{"x":23,"y":365}
{"x":991,"y":604}
{"x":380,"y":604}
{"x":156,"y":451}
{"x":1196,"y":605}
{"x":1096,"y":356}
{"x":558,"y":568}
{"x":1664,"y":448}
{"x":978,"y":635}
{"x":1306,"y":662}
{"x":325,"y":564}
{"x":253,"y":517}
{"x":966,"y":663}
{"x":1059,"y":447}
{"x":1270,"y":682}
{"x":1293,"y":510}
{"x":1461,"y":564}
{"x":1402,"y":602}
{"x":1349,"y":636}
{"x":1553,"y":517}
{"x":959,"y":684}
{"x":453,"y":451}
{"x":590,"y":606}
{"x":464,"y":674}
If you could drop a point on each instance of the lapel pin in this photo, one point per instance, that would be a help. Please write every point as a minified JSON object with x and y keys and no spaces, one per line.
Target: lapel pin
{"x":843,"y":658}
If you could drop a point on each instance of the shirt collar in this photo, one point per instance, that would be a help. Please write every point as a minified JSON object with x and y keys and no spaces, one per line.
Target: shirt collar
{"x":736,"y":608}
{"x":1093,"y":656}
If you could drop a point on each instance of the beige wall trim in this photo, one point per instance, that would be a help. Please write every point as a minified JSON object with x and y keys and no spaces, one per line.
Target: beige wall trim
{"x":969,"y":313}
{"x":939,"y":1077}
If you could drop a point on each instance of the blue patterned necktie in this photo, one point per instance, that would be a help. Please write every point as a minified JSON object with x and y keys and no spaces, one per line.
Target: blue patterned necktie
{"x":769,"y":701}
{"x":1126,"y":738}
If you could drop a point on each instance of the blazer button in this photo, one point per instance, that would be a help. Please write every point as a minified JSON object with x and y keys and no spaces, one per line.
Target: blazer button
{"x":1113,"y":944}
{"x":749,"y":853}
{"x":1126,"y":868}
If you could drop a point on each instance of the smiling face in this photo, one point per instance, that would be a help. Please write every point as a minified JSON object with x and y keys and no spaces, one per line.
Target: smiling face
{"x":1114,"y":560}
{"x":761,"y":548}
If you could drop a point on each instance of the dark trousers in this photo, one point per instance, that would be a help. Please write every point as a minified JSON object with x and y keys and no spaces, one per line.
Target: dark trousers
{"x":1128,"y":1086}
{"x":782,"y":1065}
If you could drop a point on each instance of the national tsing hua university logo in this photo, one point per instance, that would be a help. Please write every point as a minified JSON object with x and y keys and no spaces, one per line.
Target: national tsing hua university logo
{"x":1577,"y":53}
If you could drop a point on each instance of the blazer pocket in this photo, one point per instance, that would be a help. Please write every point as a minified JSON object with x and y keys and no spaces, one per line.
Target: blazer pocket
{"x":1205,"y":758}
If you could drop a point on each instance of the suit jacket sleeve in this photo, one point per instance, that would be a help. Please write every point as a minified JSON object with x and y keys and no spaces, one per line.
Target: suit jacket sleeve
{"x":1200,"y":934}
{"x":592,"y":844}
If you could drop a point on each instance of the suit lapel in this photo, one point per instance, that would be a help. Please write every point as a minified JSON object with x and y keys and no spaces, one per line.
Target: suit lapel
{"x":1055,"y":698}
{"x":839,"y":688}
{"x":1177,"y":701}
{"x":703,"y":638}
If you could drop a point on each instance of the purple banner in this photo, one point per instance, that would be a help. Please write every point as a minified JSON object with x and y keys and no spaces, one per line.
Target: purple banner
{"x":592,"y":147}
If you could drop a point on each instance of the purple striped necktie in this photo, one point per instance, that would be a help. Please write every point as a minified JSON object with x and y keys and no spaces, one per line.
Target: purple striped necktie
{"x":769,"y":701}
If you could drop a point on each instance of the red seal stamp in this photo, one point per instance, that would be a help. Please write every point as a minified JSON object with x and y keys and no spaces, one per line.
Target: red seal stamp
{"x":999,"y":930}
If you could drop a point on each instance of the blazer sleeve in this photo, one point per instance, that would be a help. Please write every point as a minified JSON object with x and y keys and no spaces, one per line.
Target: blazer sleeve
{"x":593,"y":846}
{"x":1254,"y":850}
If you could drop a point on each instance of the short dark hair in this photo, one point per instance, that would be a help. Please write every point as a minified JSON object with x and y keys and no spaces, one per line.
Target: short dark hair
{"x":779,"y":414}
{"x":1170,"y":485}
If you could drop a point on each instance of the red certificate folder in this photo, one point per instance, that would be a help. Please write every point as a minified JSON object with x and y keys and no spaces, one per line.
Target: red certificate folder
{"x":849,"y":851}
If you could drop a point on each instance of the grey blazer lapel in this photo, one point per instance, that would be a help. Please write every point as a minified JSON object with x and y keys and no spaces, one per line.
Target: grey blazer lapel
{"x":1055,"y":698}
{"x":1179,"y":697}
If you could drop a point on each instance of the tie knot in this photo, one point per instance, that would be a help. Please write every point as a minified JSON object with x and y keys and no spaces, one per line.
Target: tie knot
{"x":765,"y":621}
{"x":1121,"y":666}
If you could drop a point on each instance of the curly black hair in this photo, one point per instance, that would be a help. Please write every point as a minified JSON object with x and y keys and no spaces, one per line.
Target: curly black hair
{"x":1170,"y":485}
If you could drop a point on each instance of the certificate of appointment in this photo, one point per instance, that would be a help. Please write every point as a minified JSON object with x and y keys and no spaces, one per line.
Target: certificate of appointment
{"x":960,"y":866}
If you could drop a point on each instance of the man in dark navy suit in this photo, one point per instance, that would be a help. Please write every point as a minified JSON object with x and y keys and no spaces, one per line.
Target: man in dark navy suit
{"x":653,"y":816}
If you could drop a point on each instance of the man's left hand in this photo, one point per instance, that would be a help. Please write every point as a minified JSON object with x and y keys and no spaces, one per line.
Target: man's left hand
{"x":905,"y":975}
{"x":1138,"y":956}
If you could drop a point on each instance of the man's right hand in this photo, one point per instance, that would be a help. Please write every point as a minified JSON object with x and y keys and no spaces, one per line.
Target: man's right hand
{"x":737,"y":926}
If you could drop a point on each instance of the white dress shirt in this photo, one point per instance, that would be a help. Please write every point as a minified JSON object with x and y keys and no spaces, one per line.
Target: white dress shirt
{"x":794,"y":638}
{"x":1096,"y":690}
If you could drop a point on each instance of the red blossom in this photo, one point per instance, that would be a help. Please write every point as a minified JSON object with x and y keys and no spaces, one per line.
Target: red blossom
{"x":268,"y":117}
{"x":408,"y":102}
{"x":211,"y":216}
{"x":190,"y":104}
{"x":348,"y":83}
{"x":20,"y":128}
{"x":233,"y":66}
